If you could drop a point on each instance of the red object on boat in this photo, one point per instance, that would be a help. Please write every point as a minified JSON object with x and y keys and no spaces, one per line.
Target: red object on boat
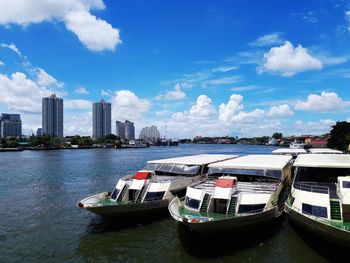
{"x":226,"y":182}
{"x":142,"y":175}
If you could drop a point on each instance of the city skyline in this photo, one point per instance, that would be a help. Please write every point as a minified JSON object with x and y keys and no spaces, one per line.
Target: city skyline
{"x":226,"y":68}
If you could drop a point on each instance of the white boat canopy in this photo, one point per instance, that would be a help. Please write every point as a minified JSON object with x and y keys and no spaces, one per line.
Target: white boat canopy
{"x":257,"y":161}
{"x":324,"y":150}
{"x":323,"y":160}
{"x":201,"y":159}
{"x":289,"y":151}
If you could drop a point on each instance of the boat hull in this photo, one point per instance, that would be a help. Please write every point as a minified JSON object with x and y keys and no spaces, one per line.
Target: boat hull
{"x":319,"y":229}
{"x":235,"y":224}
{"x":126,"y":211}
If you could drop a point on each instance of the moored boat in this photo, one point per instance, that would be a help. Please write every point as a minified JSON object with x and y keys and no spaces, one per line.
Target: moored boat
{"x":319,"y":201}
{"x":150,"y":190}
{"x":238,"y":194}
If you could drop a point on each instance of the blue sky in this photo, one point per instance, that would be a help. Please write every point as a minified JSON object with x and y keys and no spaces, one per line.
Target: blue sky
{"x":188,"y":67}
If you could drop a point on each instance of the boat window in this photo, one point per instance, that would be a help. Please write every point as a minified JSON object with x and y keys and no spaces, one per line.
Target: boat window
{"x":152,"y":166}
{"x":165,"y":167}
{"x":190,"y":169}
{"x":177,"y":169}
{"x":115,"y":193}
{"x":314,"y":210}
{"x":250,"y":208}
{"x":152,"y":196}
{"x":346,"y":184}
{"x":253,"y":172}
{"x":326,"y":175}
{"x":192,"y":203}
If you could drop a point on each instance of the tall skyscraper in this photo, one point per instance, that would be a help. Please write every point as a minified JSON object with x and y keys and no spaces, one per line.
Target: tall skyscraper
{"x":10,"y":125}
{"x":52,"y":116}
{"x":149,"y":134}
{"x":129,"y":130}
{"x":101,"y":119}
{"x":120,"y":129}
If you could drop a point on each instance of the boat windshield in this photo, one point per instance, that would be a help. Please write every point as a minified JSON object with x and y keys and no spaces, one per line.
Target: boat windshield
{"x":168,"y":168}
{"x":276,"y":174}
{"x":323,"y":175}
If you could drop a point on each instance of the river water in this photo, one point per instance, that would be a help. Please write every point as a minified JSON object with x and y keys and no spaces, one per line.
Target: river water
{"x":39,"y":221}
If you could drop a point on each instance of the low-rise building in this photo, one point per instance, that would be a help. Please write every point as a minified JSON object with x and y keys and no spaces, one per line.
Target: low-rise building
{"x":10,"y":125}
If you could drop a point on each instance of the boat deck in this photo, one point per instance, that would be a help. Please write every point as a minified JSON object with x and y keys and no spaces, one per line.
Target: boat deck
{"x":247,"y":187}
{"x":318,"y":187}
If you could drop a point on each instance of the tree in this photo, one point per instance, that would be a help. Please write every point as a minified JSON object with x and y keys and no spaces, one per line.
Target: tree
{"x":277,"y":135}
{"x":339,"y":136}
{"x":110,"y":137}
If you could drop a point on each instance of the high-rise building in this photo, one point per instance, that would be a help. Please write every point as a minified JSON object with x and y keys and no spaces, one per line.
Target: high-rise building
{"x":129,"y":130}
{"x":52,"y":116}
{"x":10,"y":125}
{"x":120,"y":129}
{"x":39,"y":132}
{"x":101,"y":119}
{"x":149,"y":134}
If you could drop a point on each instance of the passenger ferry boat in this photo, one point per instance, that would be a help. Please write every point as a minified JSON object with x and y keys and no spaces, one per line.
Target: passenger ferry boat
{"x":150,"y":190}
{"x":319,"y":200}
{"x":238,"y":194}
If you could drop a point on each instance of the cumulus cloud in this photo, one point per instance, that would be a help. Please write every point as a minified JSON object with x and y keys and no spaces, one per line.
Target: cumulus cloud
{"x":2,"y":63}
{"x":18,"y":92}
{"x":280,"y":110}
{"x":288,"y":61}
{"x":81,"y":90}
{"x":327,"y":101}
{"x":176,"y":94}
{"x":203,"y":107}
{"x":267,"y":40}
{"x":96,"y":34}
{"x":45,"y":79}
{"x":127,"y":106}
{"x":227,"y":111}
{"x":78,"y":124}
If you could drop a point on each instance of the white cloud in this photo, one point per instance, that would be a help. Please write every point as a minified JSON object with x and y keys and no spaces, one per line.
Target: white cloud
{"x":244,"y":88}
{"x":20,"y":93}
{"x":222,"y":81}
{"x":203,"y":107}
{"x":327,"y":101}
{"x":81,"y":90}
{"x":11,"y":47}
{"x":225,"y":68}
{"x":78,"y":124}
{"x":94,"y":33}
{"x":313,"y":127}
{"x":280,"y":110}
{"x":77,"y":104}
{"x":106,"y":93}
{"x":229,"y":110}
{"x":267,"y":40}
{"x":347,"y":15}
{"x":45,"y":79}
{"x":2,"y":63}
{"x":176,"y":94}
{"x":348,"y":119}
{"x":248,"y":117}
{"x":288,"y":60}
{"x":127,"y":106}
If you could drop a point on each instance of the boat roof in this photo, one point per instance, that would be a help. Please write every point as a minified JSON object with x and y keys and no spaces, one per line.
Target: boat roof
{"x":324,"y":150}
{"x":201,"y":159}
{"x":255,"y":161}
{"x":323,"y":160}
{"x":289,"y":151}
